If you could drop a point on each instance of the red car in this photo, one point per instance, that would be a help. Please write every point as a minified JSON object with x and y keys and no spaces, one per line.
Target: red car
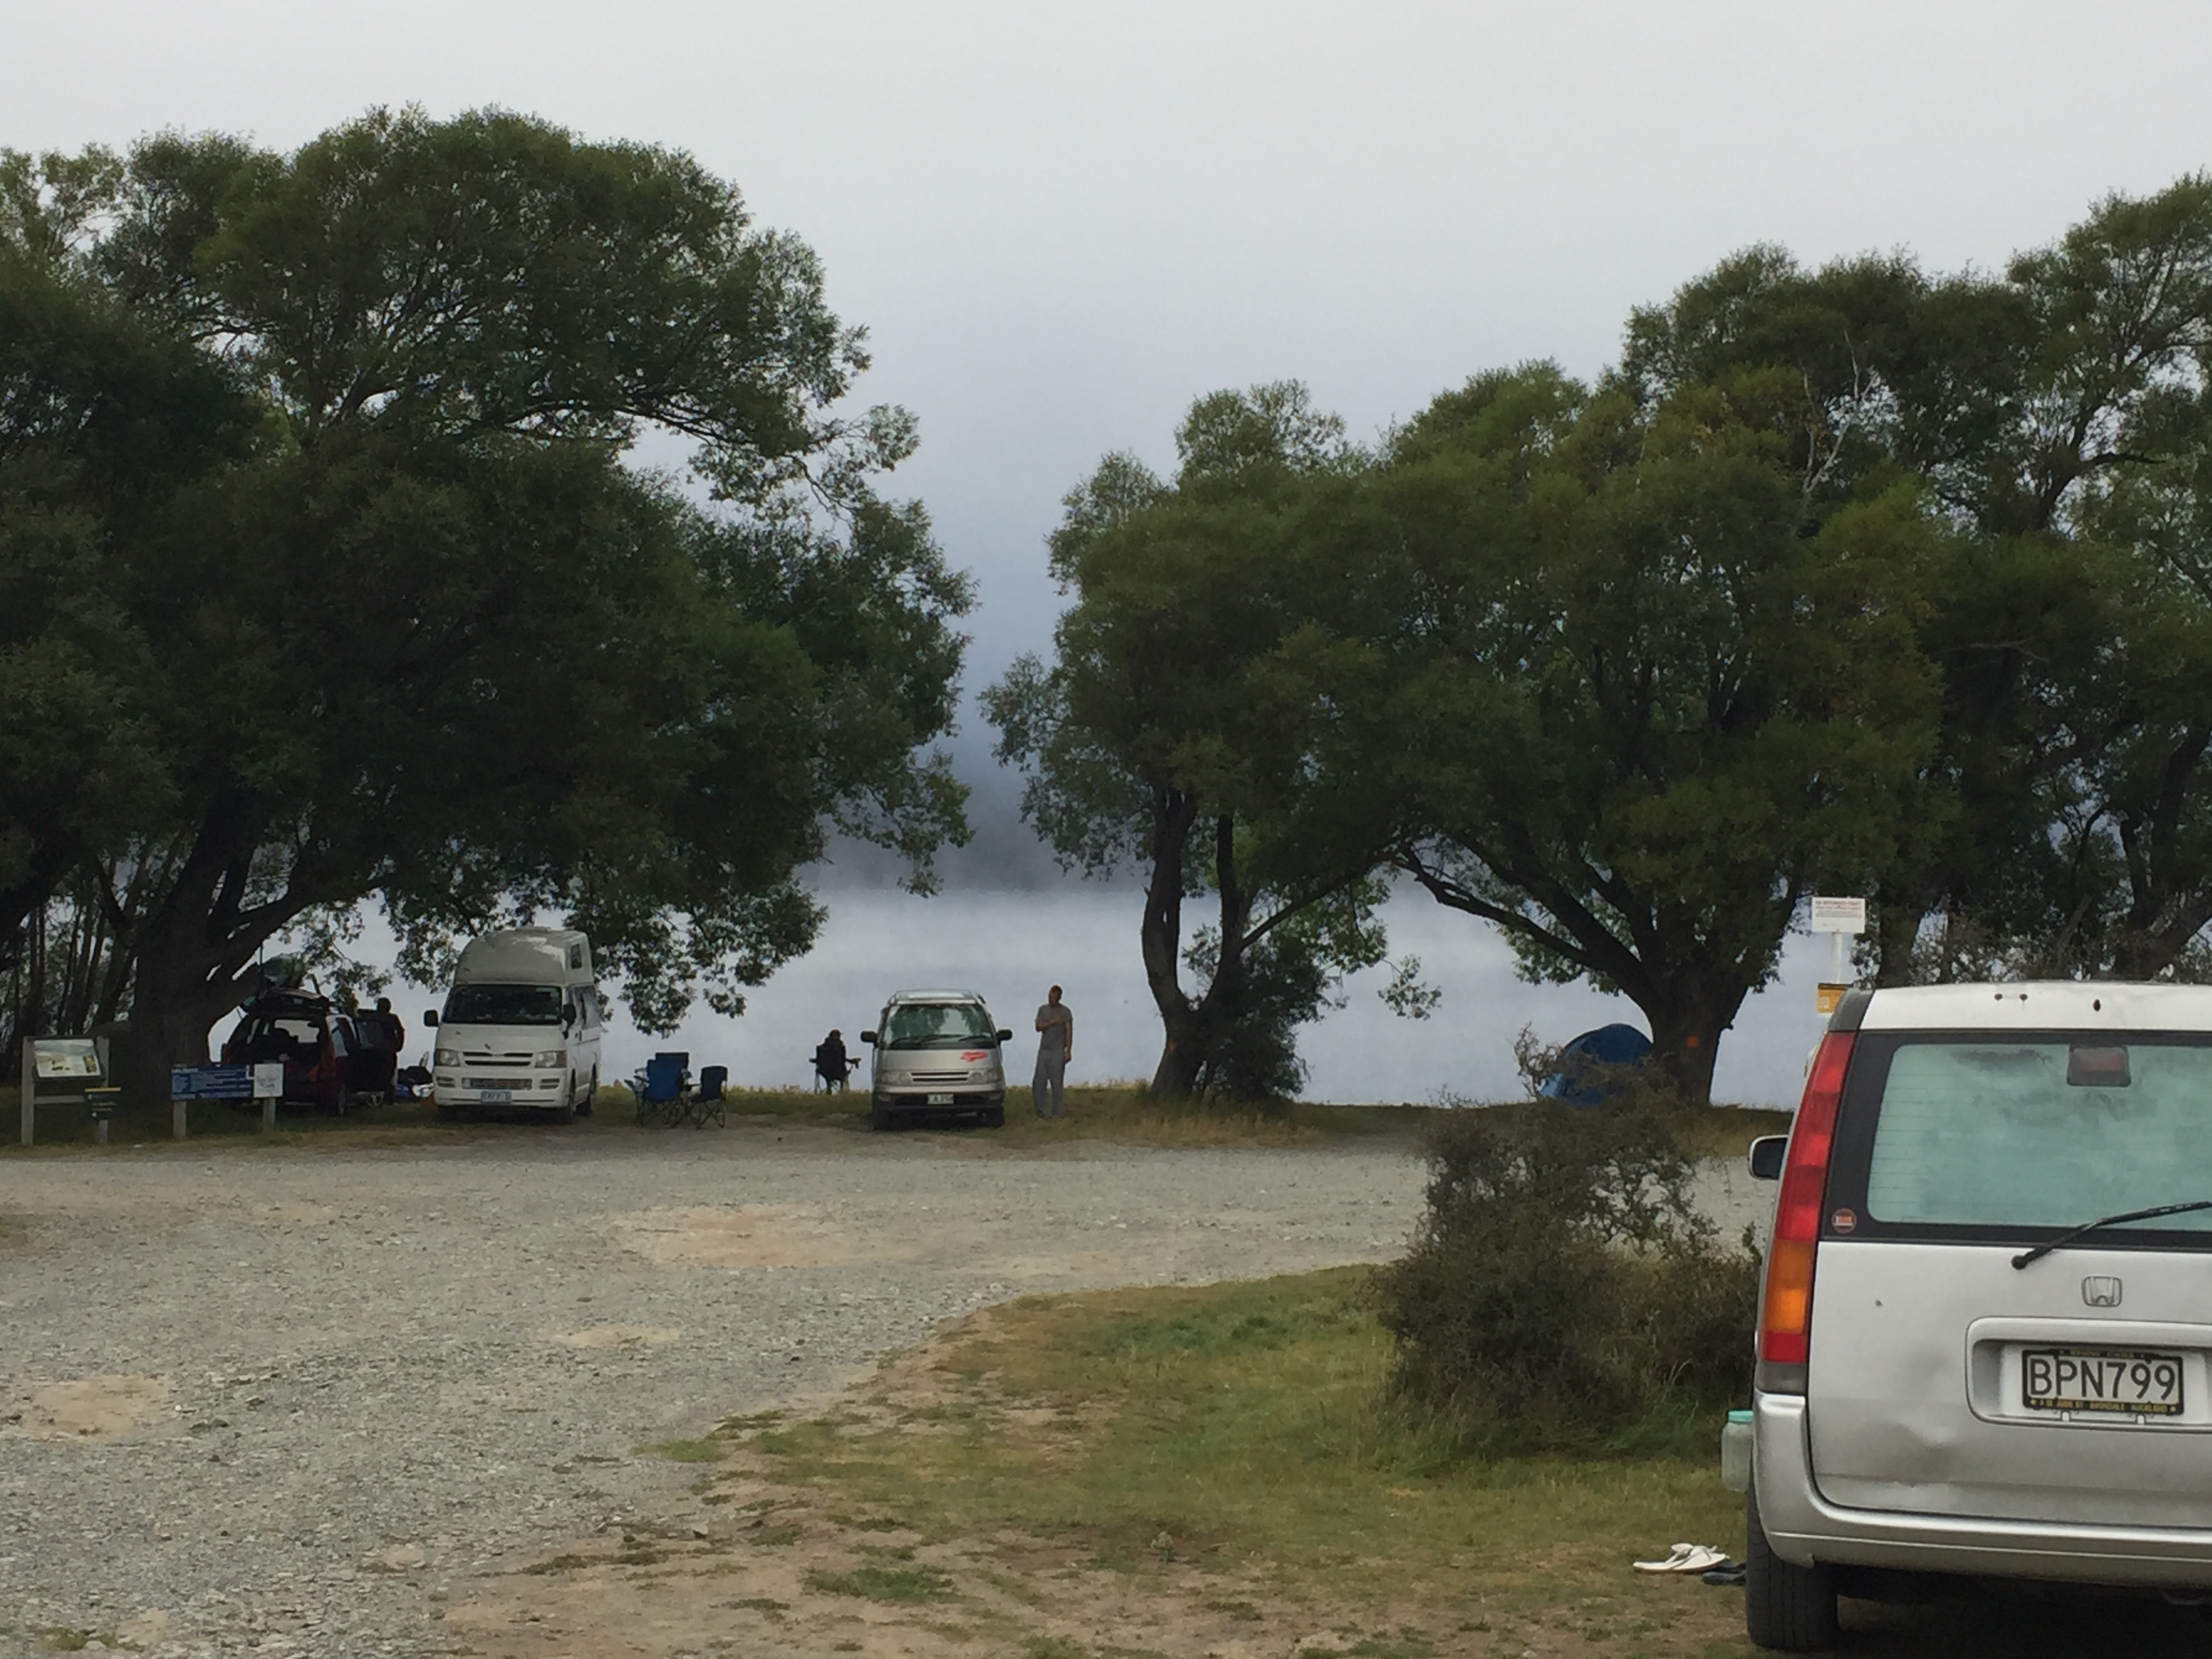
{"x":325,"y":1065}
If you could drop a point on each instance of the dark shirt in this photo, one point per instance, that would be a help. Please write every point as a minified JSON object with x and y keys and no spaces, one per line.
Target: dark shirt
{"x":829,"y":1058}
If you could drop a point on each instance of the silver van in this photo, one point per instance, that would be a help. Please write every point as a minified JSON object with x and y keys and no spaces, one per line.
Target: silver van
{"x":1985,"y":1339}
{"x":937,"y":1051}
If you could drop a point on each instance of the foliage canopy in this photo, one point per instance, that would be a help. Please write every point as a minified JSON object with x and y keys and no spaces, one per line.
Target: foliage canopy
{"x":395,"y":612}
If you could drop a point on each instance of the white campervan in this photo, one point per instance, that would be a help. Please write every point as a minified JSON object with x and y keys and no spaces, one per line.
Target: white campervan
{"x":521,"y":1026}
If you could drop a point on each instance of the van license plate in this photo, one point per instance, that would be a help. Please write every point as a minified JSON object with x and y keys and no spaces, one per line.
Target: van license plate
{"x":940,"y":1100}
{"x":495,"y":1094}
{"x":2126,"y":1382}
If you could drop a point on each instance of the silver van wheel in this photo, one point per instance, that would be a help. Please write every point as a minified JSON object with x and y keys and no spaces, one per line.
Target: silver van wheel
{"x":1787,"y":1608}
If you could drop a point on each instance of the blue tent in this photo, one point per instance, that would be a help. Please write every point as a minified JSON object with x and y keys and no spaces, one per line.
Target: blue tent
{"x":1608,"y":1045}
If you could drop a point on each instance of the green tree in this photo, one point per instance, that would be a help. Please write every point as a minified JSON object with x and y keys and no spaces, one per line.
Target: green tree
{"x":1164,"y":738}
{"x":101,"y":425}
{"x":1615,"y":684}
{"x":431,"y":638}
{"x":2057,"y":415}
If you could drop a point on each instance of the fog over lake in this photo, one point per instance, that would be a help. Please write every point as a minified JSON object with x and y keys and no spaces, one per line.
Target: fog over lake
{"x":1012,"y":942}
{"x":1010,"y":945}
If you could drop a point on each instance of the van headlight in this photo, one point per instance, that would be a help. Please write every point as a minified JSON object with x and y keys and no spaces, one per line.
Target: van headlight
{"x":550,"y":1057}
{"x":448,"y":1057}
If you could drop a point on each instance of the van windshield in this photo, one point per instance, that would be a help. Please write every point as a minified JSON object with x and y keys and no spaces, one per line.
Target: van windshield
{"x":485,"y":1003}
{"x":937,"y":1026}
{"x":2043,"y":1133}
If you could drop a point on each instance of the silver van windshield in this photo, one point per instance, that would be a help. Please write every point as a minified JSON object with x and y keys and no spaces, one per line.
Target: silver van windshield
{"x":486,"y":1003}
{"x":936,"y":1026}
{"x":2042,"y":1133}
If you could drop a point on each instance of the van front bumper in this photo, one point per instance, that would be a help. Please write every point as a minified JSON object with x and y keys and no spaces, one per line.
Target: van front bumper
{"x":1803,"y":1527}
{"x":531,"y":1090}
{"x":932,"y":1100}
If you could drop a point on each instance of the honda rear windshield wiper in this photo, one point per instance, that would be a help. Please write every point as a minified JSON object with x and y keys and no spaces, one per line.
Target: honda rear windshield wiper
{"x":2088,"y":1227}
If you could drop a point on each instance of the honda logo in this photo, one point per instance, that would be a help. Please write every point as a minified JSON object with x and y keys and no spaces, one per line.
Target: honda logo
{"x":2100,"y":1293}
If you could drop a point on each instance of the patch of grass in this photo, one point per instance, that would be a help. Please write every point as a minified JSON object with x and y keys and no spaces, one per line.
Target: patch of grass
{"x":1120,"y":1112}
{"x":1247,"y":1424}
{"x":880,"y":1584}
{"x":1052,"y":1647}
{"x":682,"y":1451}
{"x":213,"y":1126}
{"x":869,"y":1523}
{"x":1725,"y":1131}
{"x":561,"y":1563}
{"x":768,"y":1606}
{"x":1128,"y":1113}
{"x":768,"y":1538}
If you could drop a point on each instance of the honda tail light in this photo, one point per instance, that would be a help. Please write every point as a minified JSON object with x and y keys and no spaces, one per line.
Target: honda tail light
{"x":1785,"y":1319}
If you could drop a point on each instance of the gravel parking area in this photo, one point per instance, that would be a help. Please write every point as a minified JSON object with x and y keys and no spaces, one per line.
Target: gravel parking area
{"x":283,"y":1400}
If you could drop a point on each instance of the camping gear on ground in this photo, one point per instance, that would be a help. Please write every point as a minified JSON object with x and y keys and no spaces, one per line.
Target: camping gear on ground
{"x":1592,"y":1066}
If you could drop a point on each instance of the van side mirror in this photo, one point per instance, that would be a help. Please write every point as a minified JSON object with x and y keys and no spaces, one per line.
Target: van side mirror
{"x":429,"y":1017}
{"x":567,"y":1015}
{"x":1765,"y":1157}
{"x":868,"y":1037}
{"x":1006,"y":1037}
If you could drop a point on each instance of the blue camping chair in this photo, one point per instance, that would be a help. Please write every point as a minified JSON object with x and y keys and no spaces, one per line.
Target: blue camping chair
{"x":661,"y":1087}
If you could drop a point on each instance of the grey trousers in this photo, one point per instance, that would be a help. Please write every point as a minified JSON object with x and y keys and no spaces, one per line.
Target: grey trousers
{"x":1048,"y":1087}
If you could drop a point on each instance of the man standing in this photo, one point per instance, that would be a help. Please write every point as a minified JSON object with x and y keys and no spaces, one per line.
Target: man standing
{"x":1056,"y":1046}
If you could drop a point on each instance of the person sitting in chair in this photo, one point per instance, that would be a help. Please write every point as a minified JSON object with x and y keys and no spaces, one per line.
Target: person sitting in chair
{"x":831,"y":1065}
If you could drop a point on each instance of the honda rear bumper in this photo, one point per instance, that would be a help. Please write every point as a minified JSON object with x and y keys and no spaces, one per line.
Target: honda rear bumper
{"x":1804,"y":1528}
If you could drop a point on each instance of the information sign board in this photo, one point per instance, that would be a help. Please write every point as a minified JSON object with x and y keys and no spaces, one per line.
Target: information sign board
{"x":66,"y":1059}
{"x":211,"y":1083}
{"x":1839,"y":915}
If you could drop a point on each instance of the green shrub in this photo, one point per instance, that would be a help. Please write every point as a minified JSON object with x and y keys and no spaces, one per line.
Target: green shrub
{"x":1561,"y":1282}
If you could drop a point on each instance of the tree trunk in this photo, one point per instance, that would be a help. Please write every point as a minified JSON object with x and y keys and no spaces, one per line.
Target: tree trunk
{"x":1687,"y":1014}
{"x":1174,"y":812}
{"x":1897,"y":929}
{"x":195,"y":949}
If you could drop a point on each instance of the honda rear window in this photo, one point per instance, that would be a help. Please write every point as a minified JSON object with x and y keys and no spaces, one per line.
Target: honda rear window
{"x":2046,"y":1133}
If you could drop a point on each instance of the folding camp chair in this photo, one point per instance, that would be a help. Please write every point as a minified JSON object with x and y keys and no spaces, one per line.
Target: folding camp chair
{"x":660,"y":1089}
{"x":708,"y":1102}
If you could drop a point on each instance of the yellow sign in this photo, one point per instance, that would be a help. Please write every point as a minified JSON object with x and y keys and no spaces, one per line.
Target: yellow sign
{"x":1828,"y":998}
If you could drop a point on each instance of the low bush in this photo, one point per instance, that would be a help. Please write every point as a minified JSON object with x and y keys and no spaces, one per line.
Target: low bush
{"x":1562,"y":1284}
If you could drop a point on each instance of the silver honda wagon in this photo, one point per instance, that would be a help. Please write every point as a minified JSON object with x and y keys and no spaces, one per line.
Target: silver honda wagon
{"x":1985,"y":1338}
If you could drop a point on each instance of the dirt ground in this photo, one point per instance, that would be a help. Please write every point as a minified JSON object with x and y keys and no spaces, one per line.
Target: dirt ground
{"x":749,"y":1565}
{"x":277,"y":1400}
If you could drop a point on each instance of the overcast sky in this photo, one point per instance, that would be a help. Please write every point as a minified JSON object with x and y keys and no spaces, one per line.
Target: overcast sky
{"x":1062,"y":224}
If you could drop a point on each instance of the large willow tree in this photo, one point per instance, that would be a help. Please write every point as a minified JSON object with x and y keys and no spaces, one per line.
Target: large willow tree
{"x":327,"y":573}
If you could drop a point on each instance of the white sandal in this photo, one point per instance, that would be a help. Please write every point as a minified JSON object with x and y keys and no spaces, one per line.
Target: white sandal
{"x":1685,"y":1557}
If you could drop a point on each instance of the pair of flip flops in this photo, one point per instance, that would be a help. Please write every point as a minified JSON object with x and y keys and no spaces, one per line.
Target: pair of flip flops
{"x":1685,"y":1557}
